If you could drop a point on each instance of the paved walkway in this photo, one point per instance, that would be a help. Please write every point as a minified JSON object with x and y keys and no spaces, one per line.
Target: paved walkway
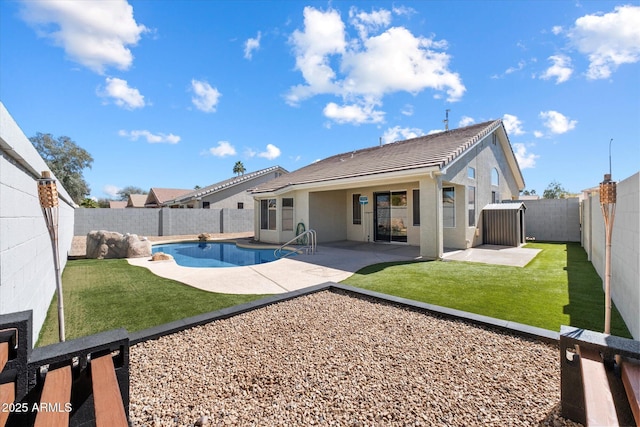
{"x":333,"y":262}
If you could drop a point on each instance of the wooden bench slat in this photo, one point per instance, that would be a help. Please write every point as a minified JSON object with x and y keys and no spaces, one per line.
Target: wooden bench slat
{"x":56,"y":394}
{"x":599,"y":406}
{"x":4,"y":354}
{"x":7,"y":396}
{"x":107,"y":399}
{"x":631,"y":380}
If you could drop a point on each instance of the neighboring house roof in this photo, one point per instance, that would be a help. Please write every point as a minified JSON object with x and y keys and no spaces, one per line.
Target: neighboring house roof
{"x":435,"y":152}
{"x":136,"y":200}
{"x":117,"y":204}
{"x":157,"y":196}
{"x":222,"y":185}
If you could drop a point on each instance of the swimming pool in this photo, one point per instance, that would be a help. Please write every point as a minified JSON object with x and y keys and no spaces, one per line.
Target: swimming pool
{"x":214,"y":254}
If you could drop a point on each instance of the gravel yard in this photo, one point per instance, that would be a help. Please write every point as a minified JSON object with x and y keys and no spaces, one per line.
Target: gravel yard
{"x":333,"y":359}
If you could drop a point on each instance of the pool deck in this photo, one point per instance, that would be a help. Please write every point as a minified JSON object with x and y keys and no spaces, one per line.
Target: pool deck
{"x":332,"y":262}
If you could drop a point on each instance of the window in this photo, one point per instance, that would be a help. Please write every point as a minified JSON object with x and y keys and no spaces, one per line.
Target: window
{"x":472,"y":206}
{"x":240,"y":205}
{"x":357,"y":208}
{"x":471,"y":172}
{"x":495,"y":178}
{"x":205,"y":205}
{"x":494,"y":197}
{"x":416,"y":207}
{"x":448,"y":207}
{"x":287,"y":214}
{"x":268,"y":214}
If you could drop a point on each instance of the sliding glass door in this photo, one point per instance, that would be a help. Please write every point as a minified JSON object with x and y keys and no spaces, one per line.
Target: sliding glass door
{"x":390,"y":216}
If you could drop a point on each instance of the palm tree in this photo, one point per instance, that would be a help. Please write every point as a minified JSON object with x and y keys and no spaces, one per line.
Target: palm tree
{"x":238,"y":168}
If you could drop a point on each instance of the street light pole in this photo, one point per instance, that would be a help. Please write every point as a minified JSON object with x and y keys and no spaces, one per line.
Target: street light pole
{"x":608,"y":204}
{"x":48,"y":194}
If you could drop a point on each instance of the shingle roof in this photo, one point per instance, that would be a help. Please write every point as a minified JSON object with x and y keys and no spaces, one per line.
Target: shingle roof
{"x":219,"y":186}
{"x":117,"y":204}
{"x":137,"y":200}
{"x":435,"y":150}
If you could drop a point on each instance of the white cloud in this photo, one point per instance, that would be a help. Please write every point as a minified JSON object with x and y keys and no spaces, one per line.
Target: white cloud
{"x":150,"y":137}
{"x":557,"y":29}
{"x":400,"y":134}
{"x":223,"y":149}
{"x":525,"y":159}
{"x":520,"y":66}
{"x":561,"y":69}
{"x":206,"y":97}
{"x":363,"y":70}
{"x":538,"y":134}
{"x":272,"y":152}
{"x":609,"y":40}
{"x":466,"y":121}
{"x":354,"y":114}
{"x":557,"y":123}
{"x":512,"y":124}
{"x":111,"y":190}
{"x":123,"y":95}
{"x":252,"y":44}
{"x":95,"y":34}
{"x":407,"y":110}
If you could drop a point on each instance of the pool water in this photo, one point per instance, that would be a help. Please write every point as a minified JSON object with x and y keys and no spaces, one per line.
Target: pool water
{"x":195,"y":254}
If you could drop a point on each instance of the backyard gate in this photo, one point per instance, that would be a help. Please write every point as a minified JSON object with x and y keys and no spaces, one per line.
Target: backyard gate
{"x":503,"y":224}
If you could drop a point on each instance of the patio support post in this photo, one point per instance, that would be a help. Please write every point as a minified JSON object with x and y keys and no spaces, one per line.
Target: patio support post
{"x":608,"y":204}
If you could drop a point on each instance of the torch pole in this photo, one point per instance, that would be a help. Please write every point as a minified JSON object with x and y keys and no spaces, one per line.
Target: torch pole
{"x":608,"y":204}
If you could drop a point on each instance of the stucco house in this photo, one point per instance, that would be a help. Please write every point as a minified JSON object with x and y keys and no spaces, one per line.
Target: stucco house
{"x":228,"y":194}
{"x":427,"y":191}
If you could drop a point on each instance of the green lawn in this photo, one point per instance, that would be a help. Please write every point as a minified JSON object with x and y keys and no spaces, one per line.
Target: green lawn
{"x":100,"y":295}
{"x":558,"y":287}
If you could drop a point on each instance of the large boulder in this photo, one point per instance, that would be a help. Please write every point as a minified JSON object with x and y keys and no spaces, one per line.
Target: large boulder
{"x":110,"y":244}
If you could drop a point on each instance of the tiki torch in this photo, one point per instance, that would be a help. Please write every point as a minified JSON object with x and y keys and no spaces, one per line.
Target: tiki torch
{"x":48,"y":194}
{"x":608,"y":204}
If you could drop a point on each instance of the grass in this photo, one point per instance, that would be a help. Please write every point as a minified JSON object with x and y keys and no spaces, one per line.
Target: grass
{"x":100,"y":295}
{"x":558,"y":287}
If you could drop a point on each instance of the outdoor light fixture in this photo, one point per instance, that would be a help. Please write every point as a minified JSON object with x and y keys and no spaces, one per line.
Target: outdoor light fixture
{"x":48,"y":194}
{"x":608,"y":204}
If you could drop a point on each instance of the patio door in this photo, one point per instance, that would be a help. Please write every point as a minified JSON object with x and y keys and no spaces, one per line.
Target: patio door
{"x":390,"y":216}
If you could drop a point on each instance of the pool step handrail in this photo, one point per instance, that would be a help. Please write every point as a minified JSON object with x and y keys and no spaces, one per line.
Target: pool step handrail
{"x":311,"y":246}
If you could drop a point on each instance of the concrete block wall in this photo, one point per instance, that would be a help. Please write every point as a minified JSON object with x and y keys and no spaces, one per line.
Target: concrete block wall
{"x":625,"y":248}
{"x":27,"y":273}
{"x":164,"y":221}
{"x":555,"y":220}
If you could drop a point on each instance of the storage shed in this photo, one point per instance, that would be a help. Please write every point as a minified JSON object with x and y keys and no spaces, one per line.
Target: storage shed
{"x":503,"y":224}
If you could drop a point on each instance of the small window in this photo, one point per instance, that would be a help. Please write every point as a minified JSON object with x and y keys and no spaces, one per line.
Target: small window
{"x":287,"y":214}
{"x":448,"y":207}
{"x":240,"y":205}
{"x":416,"y":207}
{"x":471,"y":172}
{"x":356,"y":208}
{"x":205,"y":205}
{"x":495,"y":177}
{"x":494,"y":197}
{"x":472,"y":206}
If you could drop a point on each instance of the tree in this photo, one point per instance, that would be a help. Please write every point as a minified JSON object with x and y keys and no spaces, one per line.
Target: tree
{"x":130,"y":189}
{"x":66,"y":160}
{"x":103,"y":203}
{"x":529,"y":192}
{"x":89,"y":203}
{"x":238,"y":168}
{"x":555,"y":190}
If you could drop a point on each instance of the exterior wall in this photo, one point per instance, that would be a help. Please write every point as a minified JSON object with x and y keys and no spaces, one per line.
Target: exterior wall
{"x":554,"y":220}
{"x":27,"y":273}
{"x":484,"y":157}
{"x":327,"y":215}
{"x":164,"y":221}
{"x":625,"y":248}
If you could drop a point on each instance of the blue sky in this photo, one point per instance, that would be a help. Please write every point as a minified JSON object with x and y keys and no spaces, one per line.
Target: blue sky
{"x":172,"y":94}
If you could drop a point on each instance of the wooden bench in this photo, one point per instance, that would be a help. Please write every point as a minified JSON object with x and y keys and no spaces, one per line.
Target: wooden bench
{"x":600,"y":378}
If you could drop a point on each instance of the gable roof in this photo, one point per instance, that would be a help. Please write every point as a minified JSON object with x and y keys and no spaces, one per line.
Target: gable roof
{"x":136,"y":200}
{"x":157,"y":196}
{"x":117,"y":204}
{"x":228,"y":183}
{"x":434,"y":152}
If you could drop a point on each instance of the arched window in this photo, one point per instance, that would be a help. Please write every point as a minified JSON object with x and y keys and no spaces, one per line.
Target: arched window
{"x":495,"y":178}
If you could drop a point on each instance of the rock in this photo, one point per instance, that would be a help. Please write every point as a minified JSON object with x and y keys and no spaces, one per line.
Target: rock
{"x":203,"y":237}
{"x":110,"y":244}
{"x":161,"y":256}
{"x":202,"y":421}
